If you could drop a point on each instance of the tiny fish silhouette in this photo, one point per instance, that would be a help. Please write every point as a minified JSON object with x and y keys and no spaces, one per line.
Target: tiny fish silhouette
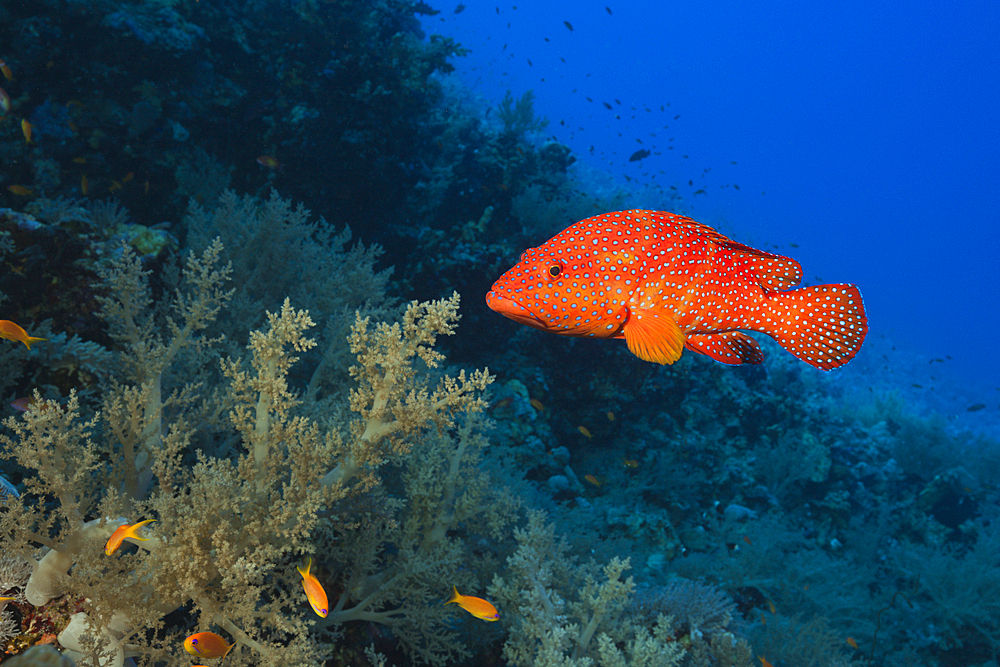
{"x":638,"y":155}
{"x":666,"y":283}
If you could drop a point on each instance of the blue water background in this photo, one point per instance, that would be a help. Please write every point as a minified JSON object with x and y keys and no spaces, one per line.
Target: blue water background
{"x":865,"y":133}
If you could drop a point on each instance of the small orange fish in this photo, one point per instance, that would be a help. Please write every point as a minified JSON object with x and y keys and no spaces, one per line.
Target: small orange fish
{"x":4,"y":601}
{"x":4,"y":102}
{"x":84,"y":185}
{"x":128,"y":177}
{"x":21,"y":190}
{"x":123,"y":532}
{"x":7,"y":74}
{"x":611,"y":416}
{"x":585,"y":431}
{"x":666,"y":283}
{"x":12,"y":331}
{"x":115,"y":185}
{"x":537,"y":404}
{"x":764,"y":662}
{"x":593,"y":480}
{"x":269,"y":161}
{"x":314,"y":590}
{"x":478,"y":607}
{"x":22,"y":404}
{"x":26,"y":131}
{"x":207,"y":645}
{"x":770,"y":605}
{"x":630,"y":463}
{"x":850,"y":642}
{"x":747,"y":540}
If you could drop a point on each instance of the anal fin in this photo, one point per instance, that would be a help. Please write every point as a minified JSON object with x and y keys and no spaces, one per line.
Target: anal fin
{"x":730,"y":347}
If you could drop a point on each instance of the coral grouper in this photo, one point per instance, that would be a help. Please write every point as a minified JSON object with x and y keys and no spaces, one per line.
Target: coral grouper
{"x":664,"y":282}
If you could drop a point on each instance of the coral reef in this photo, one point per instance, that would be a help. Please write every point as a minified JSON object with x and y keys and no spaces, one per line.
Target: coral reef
{"x":275,"y":493}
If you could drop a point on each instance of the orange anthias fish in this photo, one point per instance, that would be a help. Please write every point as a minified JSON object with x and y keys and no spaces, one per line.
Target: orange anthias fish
{"x":207,"y":645}
{"x":123,"y":532}
{"x":4,"y":102}
{"x":5,"y":68}
{"x":22,"y":404}
{"x":26,"y":131}
{"x":314,"y":590}
{"x":478,"y":607}
{"x":664,"y":282}
{"x":11,"y":331}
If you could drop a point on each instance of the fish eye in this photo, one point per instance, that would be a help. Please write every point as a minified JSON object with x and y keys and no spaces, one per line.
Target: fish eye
{"x":554,"y":270}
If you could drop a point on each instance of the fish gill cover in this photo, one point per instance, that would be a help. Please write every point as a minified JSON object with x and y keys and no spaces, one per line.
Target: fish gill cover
{"x":233,"y":409}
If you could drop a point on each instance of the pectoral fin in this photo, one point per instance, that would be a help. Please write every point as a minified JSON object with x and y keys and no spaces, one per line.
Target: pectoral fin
{"x":653,"y":336}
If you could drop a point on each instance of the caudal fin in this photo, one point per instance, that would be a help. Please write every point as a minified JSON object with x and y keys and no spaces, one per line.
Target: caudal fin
{"x":823,"y":325}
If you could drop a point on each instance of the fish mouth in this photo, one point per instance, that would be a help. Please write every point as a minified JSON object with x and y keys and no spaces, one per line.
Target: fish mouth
{"x":513,"y":310}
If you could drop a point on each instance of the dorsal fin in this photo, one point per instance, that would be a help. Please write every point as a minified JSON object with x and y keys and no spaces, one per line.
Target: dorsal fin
{"x":775,"y":273}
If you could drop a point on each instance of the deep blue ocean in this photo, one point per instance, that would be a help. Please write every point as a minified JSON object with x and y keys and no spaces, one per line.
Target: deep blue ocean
{"x":862,"y":137}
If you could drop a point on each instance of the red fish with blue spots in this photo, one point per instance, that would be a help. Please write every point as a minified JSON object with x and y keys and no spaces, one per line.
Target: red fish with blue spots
{"x":666,"y":283}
